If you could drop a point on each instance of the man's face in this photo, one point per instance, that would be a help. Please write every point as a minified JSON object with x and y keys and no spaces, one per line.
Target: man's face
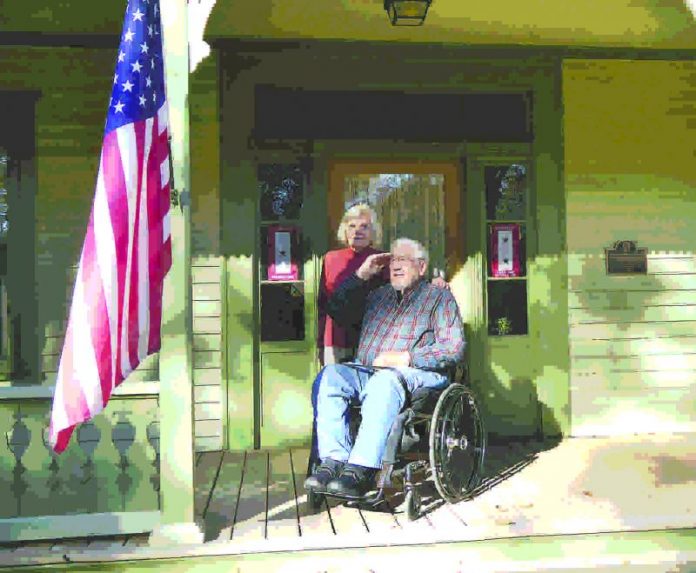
{"x":404,"y":268}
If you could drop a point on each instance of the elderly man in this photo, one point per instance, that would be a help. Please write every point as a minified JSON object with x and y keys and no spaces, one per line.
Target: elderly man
{"x":408,"y":325}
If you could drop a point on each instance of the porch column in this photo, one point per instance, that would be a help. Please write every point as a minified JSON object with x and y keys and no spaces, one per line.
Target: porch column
{"x":176,"y":372}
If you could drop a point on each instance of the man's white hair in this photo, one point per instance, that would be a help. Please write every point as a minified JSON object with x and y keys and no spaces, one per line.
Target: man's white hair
{"x":360,"y":210}
{"x":419,"y":251}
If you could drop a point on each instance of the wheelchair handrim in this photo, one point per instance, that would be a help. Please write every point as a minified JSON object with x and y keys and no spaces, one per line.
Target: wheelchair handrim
{"x":457,"y":443}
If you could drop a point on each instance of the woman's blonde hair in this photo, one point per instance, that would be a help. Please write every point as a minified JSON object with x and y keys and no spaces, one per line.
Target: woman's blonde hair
{"x":354,"y":212}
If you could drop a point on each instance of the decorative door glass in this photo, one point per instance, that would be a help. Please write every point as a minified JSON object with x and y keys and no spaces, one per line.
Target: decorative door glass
{"x":282,"y":292}
{"x":407,"y":205}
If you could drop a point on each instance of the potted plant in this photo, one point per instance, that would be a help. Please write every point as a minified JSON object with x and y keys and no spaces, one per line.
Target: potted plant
{"x":503,"y":326}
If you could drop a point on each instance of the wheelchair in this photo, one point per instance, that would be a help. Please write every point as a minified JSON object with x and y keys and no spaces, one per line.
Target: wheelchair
{"x":439,"y":432}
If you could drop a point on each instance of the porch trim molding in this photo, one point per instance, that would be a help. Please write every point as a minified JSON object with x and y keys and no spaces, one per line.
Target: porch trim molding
{"x":26,"y":392}
{"x":79,"y":525}
{"x":528,"y":553}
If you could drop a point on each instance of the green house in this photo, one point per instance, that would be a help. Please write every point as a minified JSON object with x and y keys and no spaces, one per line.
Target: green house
{"x":568,"y":129}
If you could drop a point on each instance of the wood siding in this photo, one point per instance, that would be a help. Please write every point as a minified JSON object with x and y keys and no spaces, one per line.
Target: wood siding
{"x":630,"y":174}
{"x":208,"y":267}
{"x":207,"y":353}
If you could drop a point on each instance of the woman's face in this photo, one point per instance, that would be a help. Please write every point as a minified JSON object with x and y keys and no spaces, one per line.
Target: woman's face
{"x":359,"y":232}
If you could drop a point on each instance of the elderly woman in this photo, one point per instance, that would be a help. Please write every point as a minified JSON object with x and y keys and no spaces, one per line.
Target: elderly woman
{"x":360,"y":231}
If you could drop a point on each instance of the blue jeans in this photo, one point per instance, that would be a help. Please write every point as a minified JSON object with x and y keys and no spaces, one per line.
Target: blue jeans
{"x":382,"y":397}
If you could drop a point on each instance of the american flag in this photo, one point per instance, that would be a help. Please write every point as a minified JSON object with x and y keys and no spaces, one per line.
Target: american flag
{"x":116,"y":310}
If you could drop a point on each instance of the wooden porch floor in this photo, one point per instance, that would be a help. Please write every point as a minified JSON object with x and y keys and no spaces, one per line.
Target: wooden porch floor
{"x":254,"y":503}
{"x":259,"y":495}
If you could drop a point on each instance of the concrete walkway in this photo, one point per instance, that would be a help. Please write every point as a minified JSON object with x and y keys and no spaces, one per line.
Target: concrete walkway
{"x":589,"y":485}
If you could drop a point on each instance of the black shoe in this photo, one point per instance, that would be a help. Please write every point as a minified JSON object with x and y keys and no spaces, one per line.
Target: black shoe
{"x":327,"y":470}
{"x":354,"y":482}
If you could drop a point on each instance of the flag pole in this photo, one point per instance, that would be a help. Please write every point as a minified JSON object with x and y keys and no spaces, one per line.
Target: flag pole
{"x":176,"y":371}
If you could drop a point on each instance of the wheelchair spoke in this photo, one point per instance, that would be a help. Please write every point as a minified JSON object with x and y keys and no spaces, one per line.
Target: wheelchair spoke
{"x":460,"y":415}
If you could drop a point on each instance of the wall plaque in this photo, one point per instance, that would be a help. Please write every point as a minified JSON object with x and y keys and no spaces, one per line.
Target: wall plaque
{"x":625,"y":259}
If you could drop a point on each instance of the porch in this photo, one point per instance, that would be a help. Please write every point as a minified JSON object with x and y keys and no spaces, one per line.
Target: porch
{"x":568,"y":501}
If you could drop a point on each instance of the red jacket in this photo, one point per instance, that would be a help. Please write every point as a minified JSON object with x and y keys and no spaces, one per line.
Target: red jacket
{"x":338,"y":265}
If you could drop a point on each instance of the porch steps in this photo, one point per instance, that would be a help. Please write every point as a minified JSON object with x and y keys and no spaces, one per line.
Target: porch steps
{"x":642,"y":552}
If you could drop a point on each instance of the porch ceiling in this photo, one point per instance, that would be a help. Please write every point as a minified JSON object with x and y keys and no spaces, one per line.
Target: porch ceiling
{"x":645,"y":23}
{"x":663,"y":24}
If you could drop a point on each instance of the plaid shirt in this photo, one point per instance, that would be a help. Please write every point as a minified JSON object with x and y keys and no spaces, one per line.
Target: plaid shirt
{"x":426,"y":322}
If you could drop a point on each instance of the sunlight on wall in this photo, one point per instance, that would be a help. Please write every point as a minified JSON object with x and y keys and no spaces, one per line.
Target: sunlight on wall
{"x":199,"y":12}
{"x":629,"y":175}
{"x":692,"y":6}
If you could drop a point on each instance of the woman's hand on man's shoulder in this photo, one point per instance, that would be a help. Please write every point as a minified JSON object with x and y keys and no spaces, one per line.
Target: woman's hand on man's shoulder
{"x":439,"y":282}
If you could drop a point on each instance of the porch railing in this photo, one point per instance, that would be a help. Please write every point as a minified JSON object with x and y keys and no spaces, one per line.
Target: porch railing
{"x":106,"y":482}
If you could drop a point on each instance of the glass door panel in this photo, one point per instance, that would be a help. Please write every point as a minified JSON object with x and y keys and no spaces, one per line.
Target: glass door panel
{"x":407,"y":205}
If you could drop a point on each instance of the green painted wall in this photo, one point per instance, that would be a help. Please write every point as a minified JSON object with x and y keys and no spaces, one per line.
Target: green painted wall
{"x":69,"y":121}
{"x":629,"y":174}
{"x":517,"y":403}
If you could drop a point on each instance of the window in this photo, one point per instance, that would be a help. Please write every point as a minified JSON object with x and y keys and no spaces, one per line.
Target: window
{"x":18,"y":296}
{"x":507,"y":201}
{"x":282,"y":293}
{"x":5,"y":338}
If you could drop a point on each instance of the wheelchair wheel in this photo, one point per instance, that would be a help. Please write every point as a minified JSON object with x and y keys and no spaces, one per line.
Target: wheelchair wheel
{"x":457,"y":443}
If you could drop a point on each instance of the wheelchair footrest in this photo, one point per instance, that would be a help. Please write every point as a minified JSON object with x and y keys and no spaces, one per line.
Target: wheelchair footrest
{"x":373,"y":498}
{"x":409,"y":471}
{"x":385,"y":475}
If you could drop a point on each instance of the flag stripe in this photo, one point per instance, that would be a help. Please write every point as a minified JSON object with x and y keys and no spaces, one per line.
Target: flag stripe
{"x":118,"y":208}
{"x":126,"y":143}
{"x":108,"y":267}
{"x":143,"y":284}
{"x":96,"y":326}
{"x":157,"y":266}
{"x":133,"y":303}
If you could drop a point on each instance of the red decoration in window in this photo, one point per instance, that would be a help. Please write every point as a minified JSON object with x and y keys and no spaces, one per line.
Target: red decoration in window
{"x":505,"y":250}
{"x":282,"y":262}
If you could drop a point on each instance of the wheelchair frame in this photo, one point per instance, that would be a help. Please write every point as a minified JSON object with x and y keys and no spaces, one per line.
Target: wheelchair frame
{"x":456,"y":447}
